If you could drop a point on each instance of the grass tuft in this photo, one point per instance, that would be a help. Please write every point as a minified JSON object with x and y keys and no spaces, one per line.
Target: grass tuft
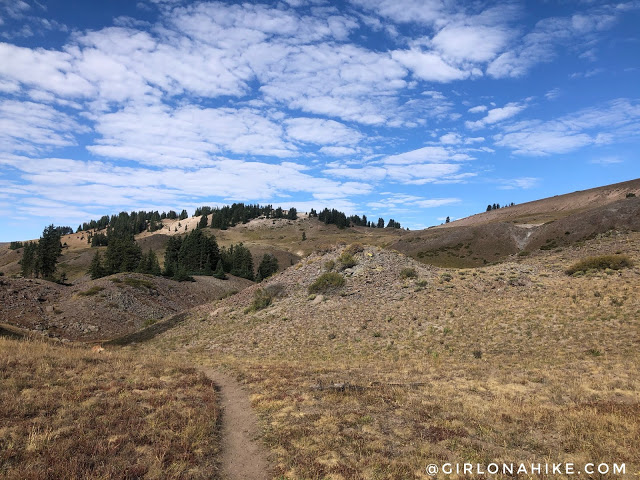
{"x":326,"y":282}
{"x":602,"y":262}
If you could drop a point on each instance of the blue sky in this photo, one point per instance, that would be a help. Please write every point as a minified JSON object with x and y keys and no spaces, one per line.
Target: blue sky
{"x":409,"y":109}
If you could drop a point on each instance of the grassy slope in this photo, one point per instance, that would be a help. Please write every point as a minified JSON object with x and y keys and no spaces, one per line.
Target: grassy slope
{"x":69,"y":413}
{"x":512,"y":362}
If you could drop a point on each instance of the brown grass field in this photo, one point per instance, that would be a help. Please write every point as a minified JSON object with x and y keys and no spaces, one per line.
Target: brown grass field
{"x":70,"y":413}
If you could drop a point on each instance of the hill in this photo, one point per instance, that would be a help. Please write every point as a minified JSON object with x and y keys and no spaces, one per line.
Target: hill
{"x":408,"y":364}
{"x":104,"y":308}
{"x":523,"y":229}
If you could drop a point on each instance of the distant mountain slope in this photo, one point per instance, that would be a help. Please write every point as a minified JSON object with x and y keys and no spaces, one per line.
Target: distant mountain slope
{"x":552,"y":208}
{"x":545,"y":224}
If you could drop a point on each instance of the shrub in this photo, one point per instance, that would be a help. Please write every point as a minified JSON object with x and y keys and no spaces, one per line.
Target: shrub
{"x":602,"y":262}
{"x":329,"y":265}
{"x":408,"y":272}
{"x":354,"y":248}
{"x":630,"y":195}
{"x":524,"y":253}
{"x":325,"y":282}
{"x":347,"y":260}
{"x":261,"y":300}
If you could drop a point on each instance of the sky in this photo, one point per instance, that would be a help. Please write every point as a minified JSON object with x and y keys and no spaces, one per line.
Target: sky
{"x":408,"y":109}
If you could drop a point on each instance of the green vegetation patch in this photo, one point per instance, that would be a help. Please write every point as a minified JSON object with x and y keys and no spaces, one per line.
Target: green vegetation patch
{"x":602,"y":262}
{"x":408,"y":272}
{"x":326,"y":282}
{"x":92,"y":291}
{"x":261,"y":300}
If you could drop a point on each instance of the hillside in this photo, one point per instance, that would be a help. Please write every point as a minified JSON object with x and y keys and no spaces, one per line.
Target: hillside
{"x":279,"y":237}
{"x":553,"y":208}
{"x":104,"y":308}
{"x":407,"y":364}
{"x":494,"y":236}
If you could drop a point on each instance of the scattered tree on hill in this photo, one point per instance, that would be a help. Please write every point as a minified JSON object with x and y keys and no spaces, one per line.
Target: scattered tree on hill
{"x":149,"y":264}
{"x":447,"y":220}
{"x":28,"y":260}
{"x":393,"y":224}
{"x":380,"y":223}
{"x":48,"y":251}
{"x":219,"y":271}
{"x":292,"y":214}
{"x":204,"y":221}
{"x":196,"y":254}
{"x":123,"y":254}
{"x":268,"y":266}
{"x":16,"y":245}
{"x":96,"y":270}
{"x":183,"y":215}
{"x":237,"y":260}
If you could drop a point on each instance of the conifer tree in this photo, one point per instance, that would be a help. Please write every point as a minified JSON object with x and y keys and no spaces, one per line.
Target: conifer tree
{"x":96,"y":270}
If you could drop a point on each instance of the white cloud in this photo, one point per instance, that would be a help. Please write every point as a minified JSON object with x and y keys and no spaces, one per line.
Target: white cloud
{"x":30,"y":127}
{"x":187,"y":136}
{"x":429,"y":66}
{"x":321,"y":131}
{"x":473,"y":43}
{"x":338,"y":151}
{"x":425,"y":155}
{"x":496,"y":115}
{"x":619,"y":119}
{"x":541,"y":44}
{"x":478,"y":109}
{"x":398,"y":200}
{"x":610,"y":160}
{"x":521,"y":183}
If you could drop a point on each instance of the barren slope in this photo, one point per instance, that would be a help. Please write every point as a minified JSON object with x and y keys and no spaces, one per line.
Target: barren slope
{"x":104,"y":308}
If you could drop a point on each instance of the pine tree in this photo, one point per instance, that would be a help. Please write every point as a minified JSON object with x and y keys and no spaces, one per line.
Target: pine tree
{"x":204,"y":221}
{"x":219,"y":272}
{"x":268,"y":266}
{"x":48,"y":251}
{"x":28,"y":261}
{"x":96,"y":269}
{"x":447,"y":220}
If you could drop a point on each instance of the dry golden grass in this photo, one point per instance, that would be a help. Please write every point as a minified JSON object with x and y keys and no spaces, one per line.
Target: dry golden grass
{"x":512,"y":362}
{"x":70,"y":413}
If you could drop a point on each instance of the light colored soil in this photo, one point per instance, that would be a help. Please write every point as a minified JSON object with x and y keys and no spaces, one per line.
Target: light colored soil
{"x":243,"y":456}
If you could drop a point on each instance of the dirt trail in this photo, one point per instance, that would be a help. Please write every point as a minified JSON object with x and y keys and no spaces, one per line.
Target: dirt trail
{"x":243,"y":457}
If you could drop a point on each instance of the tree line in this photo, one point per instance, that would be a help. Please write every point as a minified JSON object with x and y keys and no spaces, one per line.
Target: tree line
{"x":340,"y":219}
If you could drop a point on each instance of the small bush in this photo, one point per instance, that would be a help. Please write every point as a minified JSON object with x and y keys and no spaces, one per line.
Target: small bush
{"x":445,"y":277}
{"x":92,"y":291}
{"x":329,"y":265}
{"x":630,"y":195}
{"x":354,"y":248}
{"x":602,"y":262}
{"x":524,"y":253}
{"x":408,"y":273}
{"x":347,"y":260}
{"x":261,"y":300}
{"x":325,"y":282}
